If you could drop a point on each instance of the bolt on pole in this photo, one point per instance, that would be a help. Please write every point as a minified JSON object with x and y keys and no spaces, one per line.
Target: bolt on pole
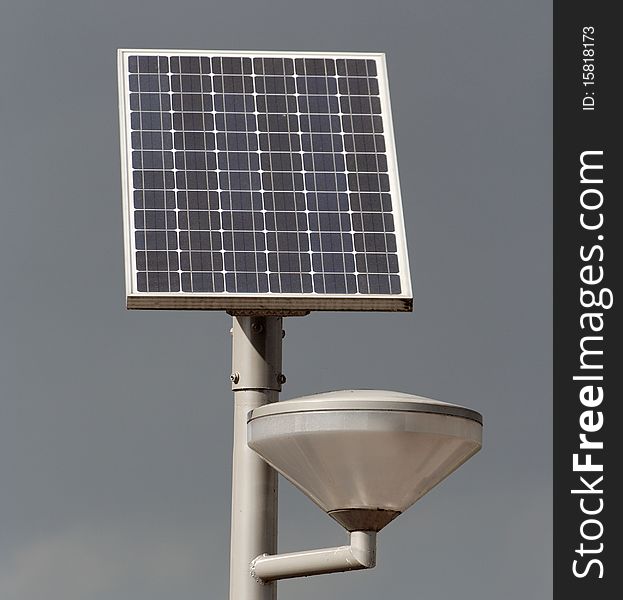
{"x":256,"y":380}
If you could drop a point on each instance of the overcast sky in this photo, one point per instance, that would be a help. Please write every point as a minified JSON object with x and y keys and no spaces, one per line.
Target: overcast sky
{"x":115,"y":426}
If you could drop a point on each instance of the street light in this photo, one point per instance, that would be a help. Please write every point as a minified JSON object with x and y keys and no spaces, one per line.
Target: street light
{"x":266,"y":184}
{"x":363,"y":456}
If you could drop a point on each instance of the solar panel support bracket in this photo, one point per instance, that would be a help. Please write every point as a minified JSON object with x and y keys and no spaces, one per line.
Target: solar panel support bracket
{"x":268,"y":313}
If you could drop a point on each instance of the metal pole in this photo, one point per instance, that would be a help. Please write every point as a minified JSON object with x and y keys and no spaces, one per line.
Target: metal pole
{"x":256,"y":380}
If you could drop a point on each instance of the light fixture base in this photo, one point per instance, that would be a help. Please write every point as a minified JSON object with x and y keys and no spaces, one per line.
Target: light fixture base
{"x":364,"y":519}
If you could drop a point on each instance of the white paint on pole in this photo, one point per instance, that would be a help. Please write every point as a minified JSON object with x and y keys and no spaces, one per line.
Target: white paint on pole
{"x":256,"y":377}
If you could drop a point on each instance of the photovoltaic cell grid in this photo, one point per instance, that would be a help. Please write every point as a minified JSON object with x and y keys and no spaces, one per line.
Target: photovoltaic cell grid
{"x":259,"y":175}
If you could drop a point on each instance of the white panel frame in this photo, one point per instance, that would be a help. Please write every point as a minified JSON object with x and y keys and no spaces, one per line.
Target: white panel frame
{"x":269,"y":302}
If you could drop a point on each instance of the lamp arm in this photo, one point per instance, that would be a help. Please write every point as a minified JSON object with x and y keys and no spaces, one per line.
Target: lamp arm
{"x":360,"y":554}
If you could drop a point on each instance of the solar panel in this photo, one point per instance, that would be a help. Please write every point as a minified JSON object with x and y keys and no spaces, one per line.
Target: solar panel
{"x":260,"y":181}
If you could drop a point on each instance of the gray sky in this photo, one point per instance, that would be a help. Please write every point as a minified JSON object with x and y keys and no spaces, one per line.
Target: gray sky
{"x":115,"y":427}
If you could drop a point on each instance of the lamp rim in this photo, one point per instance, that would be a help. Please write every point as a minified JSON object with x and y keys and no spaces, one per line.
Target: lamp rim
{"x":364,"y":400}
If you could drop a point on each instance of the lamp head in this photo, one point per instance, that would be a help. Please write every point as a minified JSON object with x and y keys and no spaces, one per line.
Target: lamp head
{"x":364,"y":456}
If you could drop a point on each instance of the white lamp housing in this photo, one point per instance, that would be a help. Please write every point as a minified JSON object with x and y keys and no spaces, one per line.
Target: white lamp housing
{"x":364,"y":456}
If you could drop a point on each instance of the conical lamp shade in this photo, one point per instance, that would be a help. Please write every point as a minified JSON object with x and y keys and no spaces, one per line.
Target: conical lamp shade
{"x":364,"y":456}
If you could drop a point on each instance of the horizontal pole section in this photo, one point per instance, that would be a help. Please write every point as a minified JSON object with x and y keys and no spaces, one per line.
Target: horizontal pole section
{"x":361,"y":554}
